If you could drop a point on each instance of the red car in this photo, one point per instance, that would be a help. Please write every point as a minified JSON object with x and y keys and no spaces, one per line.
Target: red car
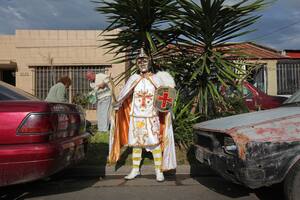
{"x":255,"y":99}
{"x":37,"y":138}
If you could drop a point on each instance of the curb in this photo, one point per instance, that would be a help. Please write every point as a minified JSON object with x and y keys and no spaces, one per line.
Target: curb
{"x":92,"y":171}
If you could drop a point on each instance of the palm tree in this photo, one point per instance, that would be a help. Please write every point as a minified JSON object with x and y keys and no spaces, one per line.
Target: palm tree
{"x":142,"y":23}
{"x":206,"y":27}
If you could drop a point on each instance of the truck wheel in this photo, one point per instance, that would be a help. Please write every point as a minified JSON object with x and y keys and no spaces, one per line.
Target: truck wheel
{"x":292,"y":183}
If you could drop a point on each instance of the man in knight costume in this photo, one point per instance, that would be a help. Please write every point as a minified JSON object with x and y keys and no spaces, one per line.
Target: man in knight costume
{"x":138,"y":123}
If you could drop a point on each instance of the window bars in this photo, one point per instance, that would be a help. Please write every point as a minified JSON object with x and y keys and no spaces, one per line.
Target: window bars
{"x":288,"y":77}
{"x":46,"y":76}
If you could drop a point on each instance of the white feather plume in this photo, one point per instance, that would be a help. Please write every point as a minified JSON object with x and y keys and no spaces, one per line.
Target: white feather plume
{"x":166,"y":78}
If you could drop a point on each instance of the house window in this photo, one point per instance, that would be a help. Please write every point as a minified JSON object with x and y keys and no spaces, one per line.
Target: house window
{"x":288,"y":77}
{"x":46,"y":76}
{"x":258,"y":77}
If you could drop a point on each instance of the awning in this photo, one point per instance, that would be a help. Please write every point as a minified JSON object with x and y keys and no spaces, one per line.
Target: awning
{"x":8,"y":64}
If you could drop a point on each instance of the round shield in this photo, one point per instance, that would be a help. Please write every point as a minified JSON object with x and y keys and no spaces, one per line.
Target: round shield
{"x":164,"y":98}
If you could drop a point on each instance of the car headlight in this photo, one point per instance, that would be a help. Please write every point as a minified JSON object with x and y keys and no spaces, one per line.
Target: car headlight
{"x":229,"y":146}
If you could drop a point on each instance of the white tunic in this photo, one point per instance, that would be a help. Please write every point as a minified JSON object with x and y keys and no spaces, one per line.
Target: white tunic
{"x":144,"y":124}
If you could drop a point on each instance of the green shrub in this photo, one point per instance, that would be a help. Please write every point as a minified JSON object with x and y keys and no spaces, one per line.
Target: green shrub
{"x":183,"y":122}
{"x":80,"y":99}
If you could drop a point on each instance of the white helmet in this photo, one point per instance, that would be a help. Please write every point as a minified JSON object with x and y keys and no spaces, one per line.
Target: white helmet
{"x":142,"y":54}
{"x":143,"y":61}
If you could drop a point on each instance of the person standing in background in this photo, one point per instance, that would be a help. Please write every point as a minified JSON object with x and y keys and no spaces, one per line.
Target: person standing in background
{"x":57,"y":92}
{"x":104,"y":97}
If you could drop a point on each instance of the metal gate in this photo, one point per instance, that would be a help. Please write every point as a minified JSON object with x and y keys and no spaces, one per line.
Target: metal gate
{"x":46,"y":76}
{"x":288,"y":76}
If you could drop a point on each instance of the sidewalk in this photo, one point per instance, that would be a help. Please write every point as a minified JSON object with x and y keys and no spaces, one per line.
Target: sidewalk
{"x":93,"y":170}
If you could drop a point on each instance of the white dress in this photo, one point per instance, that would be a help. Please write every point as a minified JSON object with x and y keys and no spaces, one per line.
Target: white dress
{"x":144,"y":123}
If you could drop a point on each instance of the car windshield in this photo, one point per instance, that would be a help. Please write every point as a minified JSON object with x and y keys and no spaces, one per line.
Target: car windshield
{"x":9,"y":92}
{"x":295,"y":98}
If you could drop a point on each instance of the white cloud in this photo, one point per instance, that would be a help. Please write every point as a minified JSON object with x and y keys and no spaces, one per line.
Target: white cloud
{"x":15,"y":12}
{"x":80,"y":14}
{"x":12,"y":12}
{"x":52,"y":9}
{"x":49,"y":14}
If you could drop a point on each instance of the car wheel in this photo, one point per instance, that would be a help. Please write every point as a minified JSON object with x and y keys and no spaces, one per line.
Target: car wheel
{"x":292,"y":183}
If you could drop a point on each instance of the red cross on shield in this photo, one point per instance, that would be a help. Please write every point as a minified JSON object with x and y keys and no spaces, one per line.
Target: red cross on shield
{"x":164,"y":98}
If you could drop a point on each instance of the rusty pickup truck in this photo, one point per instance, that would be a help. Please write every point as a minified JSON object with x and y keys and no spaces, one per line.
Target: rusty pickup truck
{"x":255,"y":149}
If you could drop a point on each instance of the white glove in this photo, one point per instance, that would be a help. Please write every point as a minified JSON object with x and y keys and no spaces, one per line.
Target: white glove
{"x":116,"y":106}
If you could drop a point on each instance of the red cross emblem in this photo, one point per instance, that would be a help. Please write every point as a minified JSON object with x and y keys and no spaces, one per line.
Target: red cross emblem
{"x":165,"y":99}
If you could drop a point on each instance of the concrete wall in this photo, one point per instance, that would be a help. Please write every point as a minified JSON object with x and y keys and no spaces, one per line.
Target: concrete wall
{"x":7,"y":50}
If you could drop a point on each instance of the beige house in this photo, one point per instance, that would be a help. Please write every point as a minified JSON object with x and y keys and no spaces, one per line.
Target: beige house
{"x":33,"y":60}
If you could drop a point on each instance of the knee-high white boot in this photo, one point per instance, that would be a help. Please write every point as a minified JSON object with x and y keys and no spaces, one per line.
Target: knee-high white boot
{"x":157,"y":157}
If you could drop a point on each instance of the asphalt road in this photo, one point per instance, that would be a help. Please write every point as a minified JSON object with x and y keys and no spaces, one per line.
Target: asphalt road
{"x":63,"y":187}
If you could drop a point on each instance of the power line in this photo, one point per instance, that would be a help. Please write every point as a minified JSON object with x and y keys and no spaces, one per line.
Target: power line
{"x":275,"y":31}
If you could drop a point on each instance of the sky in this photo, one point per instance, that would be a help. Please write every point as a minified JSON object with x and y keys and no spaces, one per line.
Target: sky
{"x":278,"y":28}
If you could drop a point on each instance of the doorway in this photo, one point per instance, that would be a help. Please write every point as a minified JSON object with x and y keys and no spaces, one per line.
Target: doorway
{"x":8,"y":76}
